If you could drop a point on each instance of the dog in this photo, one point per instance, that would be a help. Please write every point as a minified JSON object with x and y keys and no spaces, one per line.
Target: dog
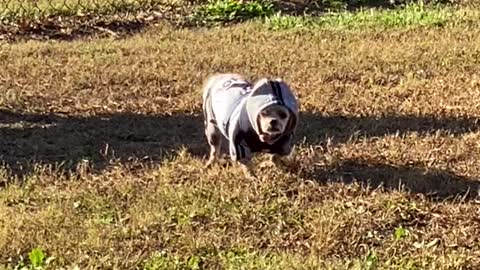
{"x":249,"y":118}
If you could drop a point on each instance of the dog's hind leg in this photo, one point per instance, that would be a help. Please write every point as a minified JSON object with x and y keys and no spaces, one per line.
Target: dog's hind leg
{"x":213,"y":134}
{"x":214,"y":138}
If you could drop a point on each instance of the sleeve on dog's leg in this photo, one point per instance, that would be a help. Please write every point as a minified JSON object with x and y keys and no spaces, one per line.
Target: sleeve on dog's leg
{"x":246,"y":165}
{"x":239,"y":151}
{"x":287,"y":146}
{"x":233,"y":151}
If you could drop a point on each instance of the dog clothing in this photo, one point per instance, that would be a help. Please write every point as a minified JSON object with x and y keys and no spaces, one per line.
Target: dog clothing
{"x":231,"y":106}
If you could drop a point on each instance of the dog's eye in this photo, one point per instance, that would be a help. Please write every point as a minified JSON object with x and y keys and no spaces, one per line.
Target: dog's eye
{"x":282,"y":115}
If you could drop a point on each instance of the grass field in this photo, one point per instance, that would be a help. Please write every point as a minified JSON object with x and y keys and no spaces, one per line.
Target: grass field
{"x":102,"y":148}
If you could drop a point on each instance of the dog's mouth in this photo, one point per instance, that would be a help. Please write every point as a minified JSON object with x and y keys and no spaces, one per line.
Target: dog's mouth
{"x":273,"y":130}
{"x":268,"y":137}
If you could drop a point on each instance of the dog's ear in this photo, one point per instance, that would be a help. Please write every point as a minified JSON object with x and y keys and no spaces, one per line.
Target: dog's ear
{"x":292,"y":122}
{"x":262,"y":87}
{"x":268,"y":86}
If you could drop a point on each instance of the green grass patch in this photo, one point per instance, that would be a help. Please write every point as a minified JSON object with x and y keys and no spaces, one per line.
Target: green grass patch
{"x":238,"y":258}
{"x":224,"y":11}
{"x":409,"y":15}
{"x":37,"y":260}
{"x":232,"y":10}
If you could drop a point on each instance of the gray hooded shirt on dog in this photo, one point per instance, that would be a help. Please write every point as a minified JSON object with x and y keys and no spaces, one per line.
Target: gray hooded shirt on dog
{"x":234,"y":104}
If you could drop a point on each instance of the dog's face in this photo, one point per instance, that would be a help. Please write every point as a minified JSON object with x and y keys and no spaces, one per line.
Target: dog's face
{"x":272,"y":122}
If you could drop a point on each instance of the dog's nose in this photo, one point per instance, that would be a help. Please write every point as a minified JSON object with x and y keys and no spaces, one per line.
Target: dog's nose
{"x":273,"y":122}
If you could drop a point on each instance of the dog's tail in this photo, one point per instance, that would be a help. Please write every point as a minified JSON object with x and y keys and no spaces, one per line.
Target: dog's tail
{"x":219,"y":78}
{"x":207,"y":85}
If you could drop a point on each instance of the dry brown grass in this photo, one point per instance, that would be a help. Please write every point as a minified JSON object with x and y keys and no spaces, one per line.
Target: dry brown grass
{"x":92,"y":137}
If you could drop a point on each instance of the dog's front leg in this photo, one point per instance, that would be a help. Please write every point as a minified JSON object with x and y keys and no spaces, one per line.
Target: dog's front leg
{"x":247,"y":168}
{"x":277,"y":160}
{"x":283,"y":160}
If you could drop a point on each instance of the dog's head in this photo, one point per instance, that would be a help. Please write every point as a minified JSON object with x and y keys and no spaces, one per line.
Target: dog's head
{"x":273,"y":109}
{"x":272,"y":122}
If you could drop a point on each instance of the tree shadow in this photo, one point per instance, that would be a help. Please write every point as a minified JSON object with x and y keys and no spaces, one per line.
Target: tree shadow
{"x":53,"y":139}
{"x":66,"y":141}
{"x":432,"y":183}
{"x":58,"y":25}
{"x":315,"y":128}
{"x":72,"y":29}
{"x":319,"y":7}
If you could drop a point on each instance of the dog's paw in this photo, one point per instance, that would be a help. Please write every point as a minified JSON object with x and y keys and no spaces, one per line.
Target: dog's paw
{"x":266,"y":163}
{"x":251,"y":176}
{"x":280,"y":161}
{"x":209,"y":163}
{"x":284,"y":163}
{"x":247,"y":170}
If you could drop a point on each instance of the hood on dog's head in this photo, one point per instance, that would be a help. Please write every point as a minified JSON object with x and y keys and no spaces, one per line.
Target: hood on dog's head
{"x":267,"y":92}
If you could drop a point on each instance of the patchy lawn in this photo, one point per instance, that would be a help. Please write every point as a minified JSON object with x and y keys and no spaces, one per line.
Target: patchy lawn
{"x":102,"y":147}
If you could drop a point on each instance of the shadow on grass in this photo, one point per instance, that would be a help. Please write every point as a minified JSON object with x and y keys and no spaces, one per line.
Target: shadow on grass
{"x":73,"y":28}
{"x":319,"y":7}
{"x":315,"y":128}
{"x":430,"y":182}
{"x":54,"y":139}
{"x":118,"y":24}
